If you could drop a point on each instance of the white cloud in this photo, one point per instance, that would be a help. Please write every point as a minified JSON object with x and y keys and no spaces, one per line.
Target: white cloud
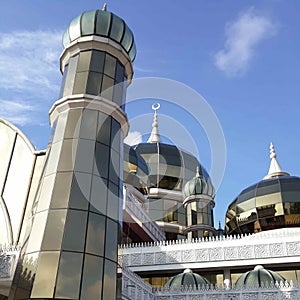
{"x":133,"y":138}
{"x":29,"y":74}
{"x":242,"y":38}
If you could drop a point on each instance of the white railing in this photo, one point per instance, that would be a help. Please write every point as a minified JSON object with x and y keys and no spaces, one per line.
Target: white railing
{"x":134,"y":207}
{"x":253,"y":249}
{"x":135,"y":288}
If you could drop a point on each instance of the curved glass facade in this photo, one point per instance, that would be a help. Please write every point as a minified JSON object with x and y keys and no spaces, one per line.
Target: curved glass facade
{"x":101,"y":23}
{"x":269,"y":204}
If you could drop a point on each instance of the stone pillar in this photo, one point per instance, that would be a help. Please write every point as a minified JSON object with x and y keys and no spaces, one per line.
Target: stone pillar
{"x":71,"y":252}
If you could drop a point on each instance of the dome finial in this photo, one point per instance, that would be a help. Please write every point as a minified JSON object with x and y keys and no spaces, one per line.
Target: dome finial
{"x":155,"y":137}
{"x":104,"y":7}
{"x":197,"y":172}
{"x":275,"y":169}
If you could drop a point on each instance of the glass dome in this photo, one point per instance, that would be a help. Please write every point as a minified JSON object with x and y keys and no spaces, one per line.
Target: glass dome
{"x":104,"y":24}
{"x":187,"y":278}
{"x":169,"y":167}
{"x":258,"y":277}
{"x":269,"y":204}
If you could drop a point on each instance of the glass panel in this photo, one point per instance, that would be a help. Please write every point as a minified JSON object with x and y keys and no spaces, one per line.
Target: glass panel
{"x":85,"y":155}
{"x":73,"y":124}
{"x":69,"y":273}
{"x":113,"y":202}
{"x":52,"y":161}
{"x":74,"y":29}
{"x":102,"y":158}
{"x":110,"y":65}
{"x":61,"y":191}
{"x":80,"y":191}
{"x":115,"y":135}
{"x":63,"y":82}
{"x":68,"y":155}
{"x":103,"y":22}
{"x":97,"y":62}
{"x":80,"y":83}
{"x":88,"y":22}
{"x":37,"y":232}
{"x":94,"y":83}
{"x":246,"y":205}
{"x":95,"y":234}
{"x":44,"y":281}
{"x":92,"y":278}
{"x":127,"y":38}
{"x":75,"y":228}
{"x":46,"y":193}
{"x":110,"y":280}
{"x":268,"y":199}
{"x":291,"y":196}
{"x":84,"y":61}
{"x":66,"y":38}
{"x":114,"y":167}
{"x":118,"y":94}
{"x":104,"y":128}
{"x":268,"y":187}
{"x":99,"y":195}
{"x":60,"y":127}
{"x":117,"y":28}
{"x":89,"y":124}
{"x":119,"y":73}
{"x":111,"y":240}
{"x":69,"y":85}
{"x":54,"y":230}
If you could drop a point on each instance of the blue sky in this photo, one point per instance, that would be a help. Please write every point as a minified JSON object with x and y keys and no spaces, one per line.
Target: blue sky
{"x":241,"y":56}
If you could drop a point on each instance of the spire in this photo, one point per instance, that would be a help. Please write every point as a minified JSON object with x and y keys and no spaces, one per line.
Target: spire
{"x":275,"y":169}
{"x":155,"y":137}
{"x":104,"y":7}
{"x":197,"y":172}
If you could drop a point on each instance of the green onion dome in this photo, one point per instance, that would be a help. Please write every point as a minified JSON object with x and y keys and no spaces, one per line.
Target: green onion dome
{"x":187,"y":278}
{"x":104,"y":24}
{"x":258,"y":277}
{"x":198,"y":188}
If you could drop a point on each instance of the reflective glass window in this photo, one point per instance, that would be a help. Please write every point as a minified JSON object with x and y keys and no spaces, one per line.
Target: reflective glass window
{"x":63,"y":82}
{"x":45,"y":277}
{"x":69,"y":275}
{"x":46,"y":192}
{"x":113,"y":201}
{"x":267,"y":187}
{"x":60,"y":126}
{"x":94,"y":83}
{"x":84,"y":61}
{"x":85,"y":156}
{"x":132,"y":52}
{"x":117,"y":28}
{"x":88,"y":127}
{"x":114,"y":167}
{"x":75,"y":228}
{"x":268,"y":199}
{"x":80,"y":83}
{"x":107,"y":87}
{"x":99,"y":195}
{"x":88,"y":22}
{"x":67,"y":155}
{"x":110,"y":279}
{"x":80,"y":191}
{"x":54,"y":230}
{"x":97,"y":62}
{"x":127,"y":38}
{"x":111,"y":240}
{"x":102,"y":158}
{"x":54,"y":155}
{"x":110,"y":65}
{"x":92,"y":278}
{"x":291,"y":208}
{"x":119,"y":73}
{"x":70,"y":77}
{"x":245,"y":206}
{"x":95,"y":234}
{"x":104,"y":129}
{"x":73,"y":125}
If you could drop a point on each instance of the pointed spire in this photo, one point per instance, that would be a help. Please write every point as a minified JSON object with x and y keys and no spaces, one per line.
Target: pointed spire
{"x":275,"y":169}
{"x":155,"y":137}
{"x":197,"y":172}
{"x":104,"y":7}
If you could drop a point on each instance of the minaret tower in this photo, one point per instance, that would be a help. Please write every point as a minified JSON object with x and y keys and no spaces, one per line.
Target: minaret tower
{"x":71,"y":249}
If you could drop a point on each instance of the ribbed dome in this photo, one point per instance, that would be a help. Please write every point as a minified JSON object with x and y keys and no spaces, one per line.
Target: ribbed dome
{"x":258,"y":277}
{"x":187,"y":278}
{"x":104,"y":24}
{"x":198,"y":185}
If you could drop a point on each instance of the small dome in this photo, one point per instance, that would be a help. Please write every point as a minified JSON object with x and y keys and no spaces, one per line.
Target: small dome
{"x":187,"y":278}
{"x":104,"y":24}
{"x":258,"y":277}
{"x":199,"y":185}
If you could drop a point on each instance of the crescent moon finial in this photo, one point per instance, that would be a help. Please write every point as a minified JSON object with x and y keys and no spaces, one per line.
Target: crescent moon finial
{"x":155,"y":106}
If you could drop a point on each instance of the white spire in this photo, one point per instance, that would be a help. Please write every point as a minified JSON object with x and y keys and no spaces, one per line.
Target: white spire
{"x":275,"y":169}
{"x":155,"y":137}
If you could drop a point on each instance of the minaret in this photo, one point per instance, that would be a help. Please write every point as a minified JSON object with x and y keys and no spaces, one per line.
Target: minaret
{"x":71,"y":249}
{"x":275,"y":170}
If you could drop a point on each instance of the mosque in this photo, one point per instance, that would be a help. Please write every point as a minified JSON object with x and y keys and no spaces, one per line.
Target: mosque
{"x":93,"y":218}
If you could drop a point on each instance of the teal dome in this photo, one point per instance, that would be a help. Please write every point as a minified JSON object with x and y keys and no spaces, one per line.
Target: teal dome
{"x":104,"y":24}
{"x":187,"y":278}
{"x":199,"y":185}
{"x":258,"y":277}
